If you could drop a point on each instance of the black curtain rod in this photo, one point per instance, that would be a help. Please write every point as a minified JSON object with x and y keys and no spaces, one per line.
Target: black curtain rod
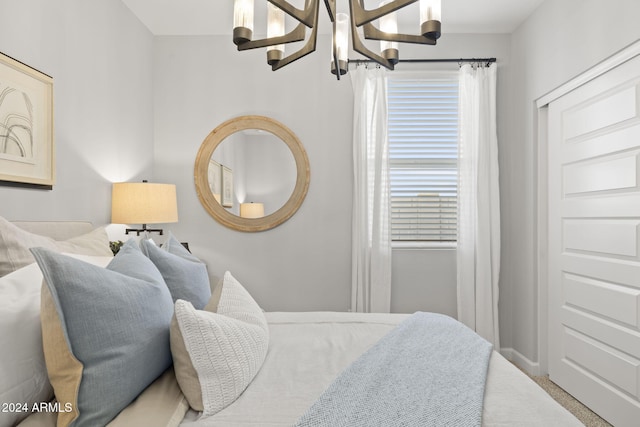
{"x":459,"y":61}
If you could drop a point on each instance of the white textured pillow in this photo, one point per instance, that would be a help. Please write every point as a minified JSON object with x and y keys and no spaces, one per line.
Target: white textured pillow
{"x":226,"y":348}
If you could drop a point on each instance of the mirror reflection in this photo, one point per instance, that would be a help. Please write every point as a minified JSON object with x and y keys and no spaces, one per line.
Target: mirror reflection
{"x":252,"y":173}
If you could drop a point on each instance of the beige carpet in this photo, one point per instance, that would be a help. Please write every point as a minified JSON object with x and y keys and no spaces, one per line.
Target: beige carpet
{"x":581,"y":412}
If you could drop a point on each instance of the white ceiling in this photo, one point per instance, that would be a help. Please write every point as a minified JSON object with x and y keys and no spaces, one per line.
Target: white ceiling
{"x":214,"y":17}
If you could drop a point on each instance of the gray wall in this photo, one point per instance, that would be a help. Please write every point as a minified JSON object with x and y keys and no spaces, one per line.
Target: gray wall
{"x":100,"y":57}
{"x":559,"y":41}
{"x":200,"y":82}
{"x":304,"y":264}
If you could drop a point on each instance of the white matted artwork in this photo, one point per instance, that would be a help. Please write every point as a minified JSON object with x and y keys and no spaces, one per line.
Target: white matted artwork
{"x":227,"y":187}
{"x":215,"y":179}
{"x":26,"y":125}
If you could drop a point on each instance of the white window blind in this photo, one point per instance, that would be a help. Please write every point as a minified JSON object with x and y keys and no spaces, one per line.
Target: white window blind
{"x":423,"y":157}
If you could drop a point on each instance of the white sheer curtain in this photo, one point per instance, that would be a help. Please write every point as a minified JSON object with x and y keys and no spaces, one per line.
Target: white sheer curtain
{"x":478,"y":257}
{"x":371,"y":241}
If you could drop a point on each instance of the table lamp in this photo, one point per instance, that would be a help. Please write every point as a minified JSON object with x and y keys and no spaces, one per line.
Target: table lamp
{"x":143,"y":203}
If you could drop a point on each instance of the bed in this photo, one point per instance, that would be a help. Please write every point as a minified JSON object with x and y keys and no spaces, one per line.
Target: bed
{"x":303,"y":353}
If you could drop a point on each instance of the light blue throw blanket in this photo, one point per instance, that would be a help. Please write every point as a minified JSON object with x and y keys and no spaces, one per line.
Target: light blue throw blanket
{"x":430,"y":370}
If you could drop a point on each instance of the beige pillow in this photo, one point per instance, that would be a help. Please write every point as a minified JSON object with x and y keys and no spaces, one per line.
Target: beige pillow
{"x":65,"y":371}
{"x":15,"y":243}
{"x":161,"y":404}
{"x":186,"y":374}
{"x":212,"y":305}
{"x":217,"y":355}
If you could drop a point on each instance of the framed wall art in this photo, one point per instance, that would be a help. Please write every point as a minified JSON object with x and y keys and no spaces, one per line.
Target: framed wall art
{"x":215,"y":179}
{"x":227,"y":187}
{"x":27,"y":153}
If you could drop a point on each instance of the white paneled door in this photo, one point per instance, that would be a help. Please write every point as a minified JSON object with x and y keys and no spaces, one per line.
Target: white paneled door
{"x":594,"y":237}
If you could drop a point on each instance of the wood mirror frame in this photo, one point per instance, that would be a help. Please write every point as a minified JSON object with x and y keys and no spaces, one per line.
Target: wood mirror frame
{"x":201,"y":176}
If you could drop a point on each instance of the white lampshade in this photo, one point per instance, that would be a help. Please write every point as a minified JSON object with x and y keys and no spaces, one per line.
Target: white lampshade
{"x":251,"y":210}
{"x":342,"y":36}
{"x":143,"y":203}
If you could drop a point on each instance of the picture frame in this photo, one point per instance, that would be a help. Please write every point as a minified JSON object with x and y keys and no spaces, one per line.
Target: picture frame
{"x":227,"y":187}
{"x":215,"y":179}
{"x":27,"y":151}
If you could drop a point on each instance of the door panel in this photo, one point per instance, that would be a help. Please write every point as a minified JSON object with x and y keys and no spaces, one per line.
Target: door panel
{"x":602,"y":175}
{"x":612,"y":365}
{"x":619,"y":303}
{"x":604,"y":330}
{"x":594,"y":259}
{"x":601,"y":111}
{"x":607,"y":237}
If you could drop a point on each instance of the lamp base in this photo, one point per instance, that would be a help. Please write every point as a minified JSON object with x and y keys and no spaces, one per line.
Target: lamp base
{"x":144,"y":229}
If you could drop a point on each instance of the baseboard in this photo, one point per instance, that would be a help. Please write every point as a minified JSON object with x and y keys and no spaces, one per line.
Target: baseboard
{"x":532,"y":368}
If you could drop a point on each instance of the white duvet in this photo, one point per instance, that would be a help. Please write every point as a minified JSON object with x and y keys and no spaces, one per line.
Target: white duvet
{"x":308,"y":350}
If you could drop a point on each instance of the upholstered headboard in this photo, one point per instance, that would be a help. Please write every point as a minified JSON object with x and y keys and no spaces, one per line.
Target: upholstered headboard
{"x":58,"y":230}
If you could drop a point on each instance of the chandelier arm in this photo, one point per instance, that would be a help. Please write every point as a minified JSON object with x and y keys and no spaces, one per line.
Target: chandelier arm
{"x":308,"y":48}
{"x":373,"y":33}
{"x":304,"y":51}
{"x":363,"y":16}
{"x":304,"y":16}
{"x":295,"y":35}
{"x":331,"y":9}
{"x":359,"y":46}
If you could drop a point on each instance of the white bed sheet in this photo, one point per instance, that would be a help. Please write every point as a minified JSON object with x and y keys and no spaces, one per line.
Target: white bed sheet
{"x":308,"y":350}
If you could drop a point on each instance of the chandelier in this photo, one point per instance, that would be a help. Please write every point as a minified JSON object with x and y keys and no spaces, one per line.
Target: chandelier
{"x":360,"y":18}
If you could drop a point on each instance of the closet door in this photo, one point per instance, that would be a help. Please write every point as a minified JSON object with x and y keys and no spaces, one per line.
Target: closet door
{"x":594,"y":236}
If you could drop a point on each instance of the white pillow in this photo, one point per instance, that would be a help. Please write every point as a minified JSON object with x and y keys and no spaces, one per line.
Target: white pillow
{"x":226,"y":348}
{"x":23,"y":374}
{"x":15,"y":243}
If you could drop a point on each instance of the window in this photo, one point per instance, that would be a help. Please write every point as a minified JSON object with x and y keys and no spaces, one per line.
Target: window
{"x":423,"y":157}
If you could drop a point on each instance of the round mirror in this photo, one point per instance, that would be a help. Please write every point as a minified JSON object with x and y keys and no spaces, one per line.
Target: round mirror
{"x":251,"y":173}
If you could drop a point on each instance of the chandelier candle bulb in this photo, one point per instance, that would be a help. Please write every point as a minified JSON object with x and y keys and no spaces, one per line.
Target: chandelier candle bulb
{"x":275,"y":28}
{"x":242,"y":21}
{"x":389,"y":24}
{"x":341,"y":43}
{"x":430,"y":18}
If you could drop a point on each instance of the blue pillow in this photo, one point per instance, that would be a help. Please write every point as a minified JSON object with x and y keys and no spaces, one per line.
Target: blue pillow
{"x":185,"y":275}
{"x":115,"y":321}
